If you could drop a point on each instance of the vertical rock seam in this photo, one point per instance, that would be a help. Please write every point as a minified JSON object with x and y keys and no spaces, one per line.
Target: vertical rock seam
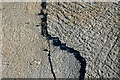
{"x":57,"y":42}
{"x":44,"y":31}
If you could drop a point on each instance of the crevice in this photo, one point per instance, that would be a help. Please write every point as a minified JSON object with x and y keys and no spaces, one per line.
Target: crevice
{"x":51,"y":66}
{"x":57,"y":42}
{"x":44,"y":32}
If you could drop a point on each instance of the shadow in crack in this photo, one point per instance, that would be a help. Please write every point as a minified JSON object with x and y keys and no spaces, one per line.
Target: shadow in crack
{"x":51,"y":66}
{"x":44,"y":32}
{"x":57,"y":42}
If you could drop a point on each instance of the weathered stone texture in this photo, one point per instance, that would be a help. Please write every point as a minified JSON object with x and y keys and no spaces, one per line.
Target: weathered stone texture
{"x":23,"y":46}
{"x":92,"y":29}
{"x":64,"y":63}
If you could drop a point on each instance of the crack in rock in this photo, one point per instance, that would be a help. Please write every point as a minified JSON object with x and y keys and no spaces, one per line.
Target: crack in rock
{"x":57,"y":42}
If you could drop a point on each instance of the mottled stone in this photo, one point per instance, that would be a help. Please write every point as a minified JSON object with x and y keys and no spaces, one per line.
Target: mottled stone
{"x":23,"y":45}
{"x":91,"y":29}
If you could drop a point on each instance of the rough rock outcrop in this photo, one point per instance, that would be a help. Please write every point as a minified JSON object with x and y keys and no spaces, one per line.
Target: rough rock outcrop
{"x":90,"y":28}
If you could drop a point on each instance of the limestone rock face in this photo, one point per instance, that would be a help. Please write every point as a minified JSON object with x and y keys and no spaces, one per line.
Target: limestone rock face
{"x":23,"y":46}
{"x":64,"y":63}
{"x":90,"y":28}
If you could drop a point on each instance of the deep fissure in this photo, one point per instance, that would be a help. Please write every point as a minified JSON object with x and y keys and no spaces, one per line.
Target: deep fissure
{"x":57,"y":42}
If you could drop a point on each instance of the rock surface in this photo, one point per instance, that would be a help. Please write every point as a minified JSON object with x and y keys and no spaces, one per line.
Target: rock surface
{"x":90,"y":28}
{"x":23,"y":55}
{"x":23,"y":46}
{"x":64,"y":63}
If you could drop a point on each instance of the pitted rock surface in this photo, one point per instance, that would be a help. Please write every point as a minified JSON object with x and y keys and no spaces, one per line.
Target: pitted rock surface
{"x":64,"y":63}
{"x":69,"y":66}
{"x":24,"y":54}
{"x":23,"y":46}
{"x":92,"y":29}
